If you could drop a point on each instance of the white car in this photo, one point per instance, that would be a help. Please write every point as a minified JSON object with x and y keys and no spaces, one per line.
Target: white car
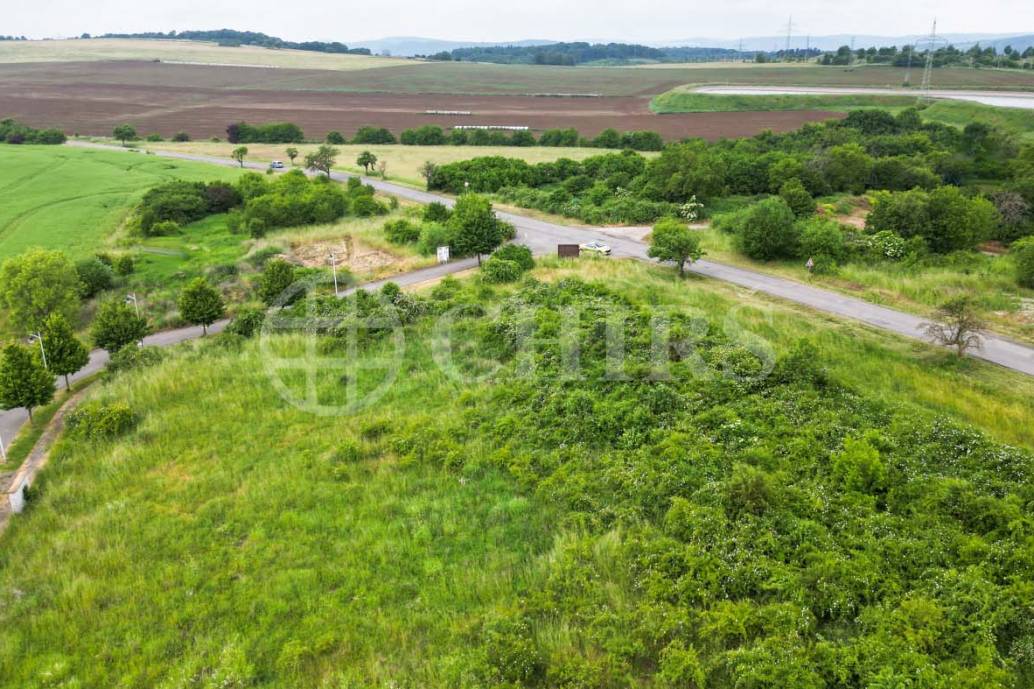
{"x":277,"y":165}
{"x":596,"y":248}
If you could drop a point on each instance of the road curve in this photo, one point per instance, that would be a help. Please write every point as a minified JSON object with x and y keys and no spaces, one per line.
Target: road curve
{"x":542,"y":237}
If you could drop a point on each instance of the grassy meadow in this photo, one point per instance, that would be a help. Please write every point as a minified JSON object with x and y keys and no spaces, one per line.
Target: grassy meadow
{"x":73,"y":199}
{"x":1019,"y":121}
{"x":404,"y":162}
{"x":449,"y":535}
{"x":919,"y":289}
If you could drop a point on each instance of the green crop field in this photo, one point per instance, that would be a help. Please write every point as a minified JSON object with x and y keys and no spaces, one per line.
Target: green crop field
{"x":72,"y":199}
{"x":1019,"y":121}
{"x":684,"y":99}
{"x":531,"y":530}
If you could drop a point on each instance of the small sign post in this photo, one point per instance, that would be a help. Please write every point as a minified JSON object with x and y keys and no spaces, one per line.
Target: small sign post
{"x":443,"y":254}
{"x":568,"y":250}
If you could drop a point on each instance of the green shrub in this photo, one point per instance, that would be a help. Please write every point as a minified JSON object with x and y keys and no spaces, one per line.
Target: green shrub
{"x":821,"y":237}
{"x":180,"y":137}
{"x":436,"y":212}
{"x":101,"y":421}
{"x":1023,"y":254}
{"x":496,"y":270}
{"x":859,"y":467}
{"x":434,"y":235}
{"x":518,"y":253}
{"x":797,"y":198}
{"x":124,"y":265}
{"x":767,"y":231}
{"x":247,"y":322}
{"x":401,"y":231}
{"x":164,"y":228}
{"x":131,"y":357}
{"x":95,"y":276}
{"x":336,"y":138}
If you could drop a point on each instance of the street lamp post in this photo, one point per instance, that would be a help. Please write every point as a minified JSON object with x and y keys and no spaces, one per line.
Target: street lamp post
{"x":333,"y":266}
{"x":38,"y":337}
{"x":131,"y":298}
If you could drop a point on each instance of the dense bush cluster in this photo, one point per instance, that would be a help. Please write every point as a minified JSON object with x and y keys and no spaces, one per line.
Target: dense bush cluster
{"x":14,"y":132}
{"x":101,"y":421}
{"x":869,"y":150}
{"x":256,"y":203}
{"x":430,"y":135}
{"x":181,"y":203}
{"x":739,"y":522}
{"x":273,"y":133}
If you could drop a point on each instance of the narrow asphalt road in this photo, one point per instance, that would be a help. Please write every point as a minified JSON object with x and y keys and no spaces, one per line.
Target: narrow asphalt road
{"x":542,"y":237}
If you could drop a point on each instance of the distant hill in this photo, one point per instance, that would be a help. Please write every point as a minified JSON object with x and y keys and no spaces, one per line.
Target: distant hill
{"x":408,"y":46}
{"x":571,"y":54}
{"x":231,"y":37}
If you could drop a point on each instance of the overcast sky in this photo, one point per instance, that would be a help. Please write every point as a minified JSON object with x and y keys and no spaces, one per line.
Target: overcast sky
{"x":493,"y":20}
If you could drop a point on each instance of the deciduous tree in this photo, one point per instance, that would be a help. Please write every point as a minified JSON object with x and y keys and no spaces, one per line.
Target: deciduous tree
{"x":201,"y":304}
{"x":958,"y":326}
{"x":322,"y":159}
{"x":124,"y":133}
{"x":477,"y":230}
{"x":366,"y":160}
{"x":674,"y":241}
{"x":37,"y":283}
{"x":66,"y":353}
{"x":117,"y":325}
{"x":239,"y":154}
{"x":292,"y":153}
{"x":24,"y":382}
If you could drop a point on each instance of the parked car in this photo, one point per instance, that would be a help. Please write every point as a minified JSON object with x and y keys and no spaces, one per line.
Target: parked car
{"x":277,"y":165}
{"x":596,"y":248}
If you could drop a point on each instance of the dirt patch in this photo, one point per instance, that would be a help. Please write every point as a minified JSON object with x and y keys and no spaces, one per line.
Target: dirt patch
{"x":351,"y":254}
{"x":91,"y":98}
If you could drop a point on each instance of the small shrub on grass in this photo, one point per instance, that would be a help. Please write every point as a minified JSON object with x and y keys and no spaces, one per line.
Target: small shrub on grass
{"x":434,"y":235}
{"x":95,"y":276}
{"x":164,"y":228}
{"x":247,"y":322}
{"x":497,"y":270}
{"x":519,"y":254}
{"x":124,"y":265}
{"x":797,"y":198}
{"x":180,"y":137}
{"x":401,"y":232}
{"x":436,"y":212}
{"x":132,"y":357}
{"x":1023,"y":254}
{"x":101,"y":421}
{"x":821,"y":237}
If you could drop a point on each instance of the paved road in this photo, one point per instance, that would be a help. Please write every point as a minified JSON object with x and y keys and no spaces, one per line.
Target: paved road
{"x":1001,"y":99}
{"x":542,"y":237}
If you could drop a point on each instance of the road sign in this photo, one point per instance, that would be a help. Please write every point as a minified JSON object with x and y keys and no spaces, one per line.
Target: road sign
{"x":443,"y":254}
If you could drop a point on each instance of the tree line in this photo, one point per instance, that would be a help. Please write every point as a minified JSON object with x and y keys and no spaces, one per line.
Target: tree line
{"x":230,"y":37}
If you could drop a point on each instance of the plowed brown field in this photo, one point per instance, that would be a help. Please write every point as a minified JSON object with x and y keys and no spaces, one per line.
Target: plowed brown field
{"x":91,"y":98}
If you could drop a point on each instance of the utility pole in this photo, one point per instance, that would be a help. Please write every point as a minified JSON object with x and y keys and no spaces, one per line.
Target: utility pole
{"x":131,"y":298}
{"x":3,"y":450}
{"x":38,"y":337}
{"x":333,"y":265}
{"x":932,"y":41}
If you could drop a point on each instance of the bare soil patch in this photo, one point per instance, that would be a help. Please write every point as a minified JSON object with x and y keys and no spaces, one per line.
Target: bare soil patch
{"x":91,"y":98}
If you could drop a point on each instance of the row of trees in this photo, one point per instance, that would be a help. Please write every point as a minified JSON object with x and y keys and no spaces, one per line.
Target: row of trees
{"x":27,"y":373}
{"x":14,"y":132}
